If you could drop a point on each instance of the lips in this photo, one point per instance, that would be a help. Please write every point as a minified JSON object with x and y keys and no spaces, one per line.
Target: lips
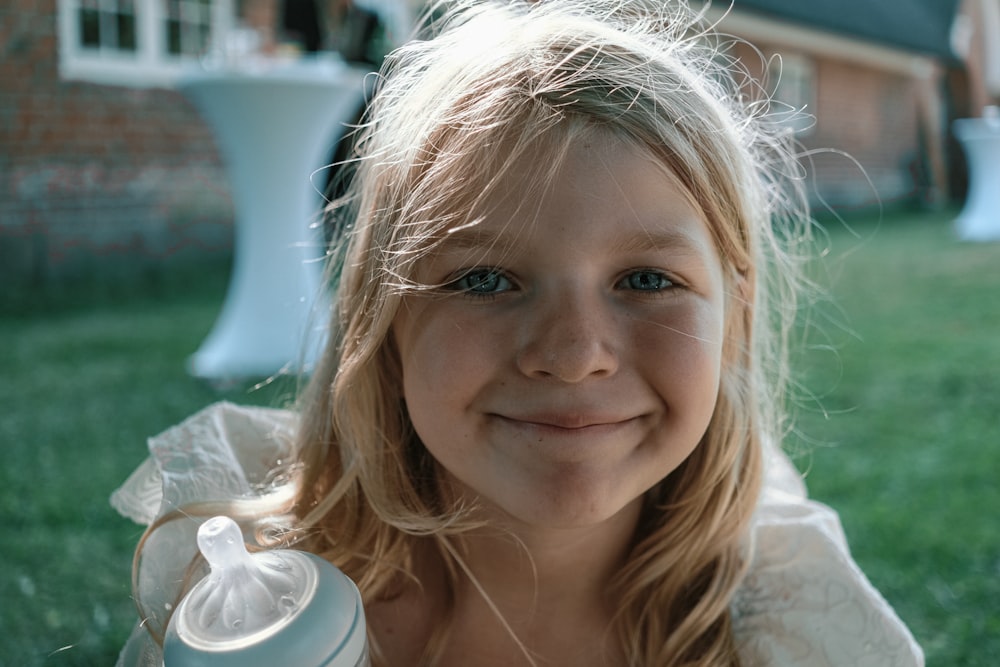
{"x":569,"y":421}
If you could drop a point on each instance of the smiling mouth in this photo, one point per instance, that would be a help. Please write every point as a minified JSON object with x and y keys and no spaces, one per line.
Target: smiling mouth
{"x":568,"y":424}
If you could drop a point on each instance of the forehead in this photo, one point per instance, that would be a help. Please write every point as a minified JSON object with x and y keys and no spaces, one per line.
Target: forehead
{"x":595,"y":183}
{"x":515,"y":168}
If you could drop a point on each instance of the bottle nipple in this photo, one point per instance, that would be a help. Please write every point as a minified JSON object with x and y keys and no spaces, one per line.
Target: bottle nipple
{"x":221,"y":543}
{"x":244,"y":593}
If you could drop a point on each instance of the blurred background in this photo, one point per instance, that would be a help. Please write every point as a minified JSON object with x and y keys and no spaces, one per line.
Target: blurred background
{"x":118,"y":220}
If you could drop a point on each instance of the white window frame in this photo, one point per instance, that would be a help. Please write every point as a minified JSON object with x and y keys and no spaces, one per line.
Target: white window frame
{"x":150,"y":65}
{"x":793,"y":77}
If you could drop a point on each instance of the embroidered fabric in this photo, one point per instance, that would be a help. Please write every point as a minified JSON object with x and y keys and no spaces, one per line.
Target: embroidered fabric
{"x":804,"y":602}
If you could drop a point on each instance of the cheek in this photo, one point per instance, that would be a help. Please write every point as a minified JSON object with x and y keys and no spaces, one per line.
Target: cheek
{"x":441,"y":347}
{"x":683,"y":356}
{"x":445,"y":362}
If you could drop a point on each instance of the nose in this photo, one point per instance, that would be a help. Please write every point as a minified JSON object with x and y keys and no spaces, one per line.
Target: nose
{"x":569,"y":338}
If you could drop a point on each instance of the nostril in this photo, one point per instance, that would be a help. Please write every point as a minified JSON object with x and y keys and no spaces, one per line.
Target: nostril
{"x":567,"y":358}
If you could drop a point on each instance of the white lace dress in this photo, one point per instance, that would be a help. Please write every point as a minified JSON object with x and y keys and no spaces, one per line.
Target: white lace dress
{"x":804,"y":602}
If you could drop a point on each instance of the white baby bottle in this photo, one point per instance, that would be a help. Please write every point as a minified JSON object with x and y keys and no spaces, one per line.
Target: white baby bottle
{"x":279,"y":607}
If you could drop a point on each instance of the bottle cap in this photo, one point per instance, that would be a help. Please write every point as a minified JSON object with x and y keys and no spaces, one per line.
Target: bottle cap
{"x":268,"y":608}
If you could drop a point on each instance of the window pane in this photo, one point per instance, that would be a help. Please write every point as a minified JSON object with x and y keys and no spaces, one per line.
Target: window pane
{"x":187,"y":24}
{"x":108,"y":25}
{"x":90,"y":28}
{"x":174,"y":37}
{"x":126,"y":32}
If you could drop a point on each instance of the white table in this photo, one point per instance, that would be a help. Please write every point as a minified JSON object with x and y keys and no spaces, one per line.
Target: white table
{"x":980,"y":217}
{"x":275,"y":124}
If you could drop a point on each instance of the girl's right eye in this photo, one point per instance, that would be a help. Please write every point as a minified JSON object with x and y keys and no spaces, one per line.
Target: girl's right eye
{"x":481,"y":282}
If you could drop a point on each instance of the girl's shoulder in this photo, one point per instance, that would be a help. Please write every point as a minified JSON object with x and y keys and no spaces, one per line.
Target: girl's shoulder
{"x":805,"y":601}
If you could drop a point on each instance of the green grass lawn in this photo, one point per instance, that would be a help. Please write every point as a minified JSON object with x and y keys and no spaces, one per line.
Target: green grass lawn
{"x":906,"y":446}
{"x":89,"y":374}
{"x":908,"y":449}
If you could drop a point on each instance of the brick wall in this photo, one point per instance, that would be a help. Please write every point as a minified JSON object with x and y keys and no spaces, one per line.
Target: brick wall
{"x":865,"y":143}
{"x":94,"y":174}
{"x":872,"y":116}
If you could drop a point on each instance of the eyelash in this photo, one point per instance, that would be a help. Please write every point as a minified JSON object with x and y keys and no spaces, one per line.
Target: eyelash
{"x":471,"y":282}
{"x":479,"y":277}
{"x":667,"y":282}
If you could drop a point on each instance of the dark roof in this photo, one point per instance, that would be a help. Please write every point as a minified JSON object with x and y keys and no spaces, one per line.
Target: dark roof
{"x":922,"y":26}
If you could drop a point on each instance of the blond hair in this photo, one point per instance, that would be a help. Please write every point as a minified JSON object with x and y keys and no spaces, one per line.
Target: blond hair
{"x":451,"y":118}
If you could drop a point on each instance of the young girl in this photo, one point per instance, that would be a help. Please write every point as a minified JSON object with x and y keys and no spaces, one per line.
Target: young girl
{"x":544,"y":430}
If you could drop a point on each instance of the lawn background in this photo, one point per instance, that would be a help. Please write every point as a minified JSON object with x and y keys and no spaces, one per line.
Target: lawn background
{"x":898,"y":429}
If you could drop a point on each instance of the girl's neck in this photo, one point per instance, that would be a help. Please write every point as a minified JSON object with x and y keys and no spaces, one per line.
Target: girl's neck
{"x":541,"y":592}
{"x":550,"y":588}
{"x":527,"y":567}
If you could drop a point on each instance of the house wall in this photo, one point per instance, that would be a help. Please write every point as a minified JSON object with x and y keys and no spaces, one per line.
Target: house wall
{"x":874,"y":139}
{"x":93,"y":175}
{"x":871,"y":116}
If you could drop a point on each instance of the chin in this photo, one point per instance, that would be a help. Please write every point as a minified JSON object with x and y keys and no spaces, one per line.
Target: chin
{"x":558,"y":514}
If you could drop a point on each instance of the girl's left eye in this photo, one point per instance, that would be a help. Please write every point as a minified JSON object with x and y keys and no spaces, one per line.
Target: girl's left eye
{"x":481,"y":281}
{"x":646,"y":281}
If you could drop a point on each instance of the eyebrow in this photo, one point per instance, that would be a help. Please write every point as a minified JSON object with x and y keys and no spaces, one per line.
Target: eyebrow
{"x":476,"y":238}
{"x":658,"y":239}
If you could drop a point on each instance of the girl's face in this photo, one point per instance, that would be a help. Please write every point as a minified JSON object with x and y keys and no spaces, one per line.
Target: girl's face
{"x":573,"y":359}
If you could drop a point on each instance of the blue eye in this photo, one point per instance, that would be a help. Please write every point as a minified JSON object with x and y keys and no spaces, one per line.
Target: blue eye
{"x":482,"y":281}
{"x":647,"y":281}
